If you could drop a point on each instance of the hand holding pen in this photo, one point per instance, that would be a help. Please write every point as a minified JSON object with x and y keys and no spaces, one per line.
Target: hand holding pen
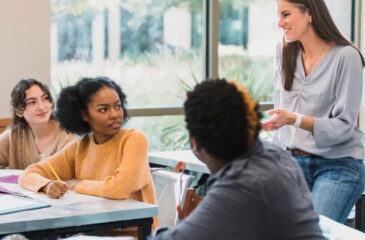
{"x":56,"y":188}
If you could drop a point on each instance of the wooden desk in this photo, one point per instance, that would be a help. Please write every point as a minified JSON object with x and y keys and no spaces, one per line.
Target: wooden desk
{"x":77,"y":213}
{"x":4,"y":123}
{"x":171,"y":158}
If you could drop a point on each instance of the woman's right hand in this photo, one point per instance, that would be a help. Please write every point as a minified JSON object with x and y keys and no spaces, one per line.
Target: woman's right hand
{"x":55,"y":189}
{"x":280,"y":118}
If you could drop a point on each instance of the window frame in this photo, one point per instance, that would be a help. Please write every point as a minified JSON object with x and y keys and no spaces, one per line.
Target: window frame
{"x":211,"y":40}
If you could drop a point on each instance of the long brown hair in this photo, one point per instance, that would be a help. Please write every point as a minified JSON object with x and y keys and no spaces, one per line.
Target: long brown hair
{"x":323,"y":26}
{"x":18,"y":99}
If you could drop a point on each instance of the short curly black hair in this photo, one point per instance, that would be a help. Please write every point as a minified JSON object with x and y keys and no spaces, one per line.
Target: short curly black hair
{"x":73,"y":101}
{"x":18,"y":97}
{"x":216,"y":116}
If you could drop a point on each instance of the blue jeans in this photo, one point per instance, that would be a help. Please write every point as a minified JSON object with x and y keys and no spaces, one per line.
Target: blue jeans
{"x":336,"y":184}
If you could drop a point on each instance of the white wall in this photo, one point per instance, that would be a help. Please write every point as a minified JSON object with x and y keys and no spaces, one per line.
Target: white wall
{"x":24,"y":45}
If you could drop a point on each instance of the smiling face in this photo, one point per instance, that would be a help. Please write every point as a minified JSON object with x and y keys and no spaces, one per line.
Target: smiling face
{"x":293,"y":20}
{"x":104,"y":114}
{"x":38,"y":106}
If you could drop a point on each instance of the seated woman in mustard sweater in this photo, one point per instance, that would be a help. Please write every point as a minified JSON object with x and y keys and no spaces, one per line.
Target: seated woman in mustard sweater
{"x":34,"y":133}
{"x":107,"y":161}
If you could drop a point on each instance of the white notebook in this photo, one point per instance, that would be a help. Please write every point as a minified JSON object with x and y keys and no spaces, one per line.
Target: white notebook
{"x":10,"y":203}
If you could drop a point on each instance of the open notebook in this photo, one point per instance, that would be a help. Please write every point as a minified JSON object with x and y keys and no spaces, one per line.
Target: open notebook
{"x":15,"y":201}
{"x":11,"y":203}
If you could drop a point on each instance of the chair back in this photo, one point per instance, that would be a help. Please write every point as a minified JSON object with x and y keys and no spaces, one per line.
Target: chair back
{"x":170,"y":189}
{"x":4,"y":123}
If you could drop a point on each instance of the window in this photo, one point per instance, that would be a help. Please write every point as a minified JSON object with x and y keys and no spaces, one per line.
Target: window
{"x":153,"y":49}
{"x":249,"y":58}
{"x":156,"y":51}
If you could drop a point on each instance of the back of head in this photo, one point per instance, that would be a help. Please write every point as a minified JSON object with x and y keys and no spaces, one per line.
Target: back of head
{"x":222,"y":118}
{"x":18,"y":97}
{"x":73,"y":101}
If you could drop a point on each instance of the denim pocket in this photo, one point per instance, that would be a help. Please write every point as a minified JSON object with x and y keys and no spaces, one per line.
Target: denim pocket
{"x":343,"y":169}
{"x":354,"y":164}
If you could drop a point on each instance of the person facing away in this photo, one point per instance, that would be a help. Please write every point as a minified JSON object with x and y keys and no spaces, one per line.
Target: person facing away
{"x":34,"y":133}
{"x":107,"y":161}
{"x":318,"y":88}
{"x":256,"y":190}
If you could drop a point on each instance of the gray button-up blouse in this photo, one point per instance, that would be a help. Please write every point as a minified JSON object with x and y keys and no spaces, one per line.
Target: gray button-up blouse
{"x":331,"y":94}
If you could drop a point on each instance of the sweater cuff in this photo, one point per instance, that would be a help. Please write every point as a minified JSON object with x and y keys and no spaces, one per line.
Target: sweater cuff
{"x":33,"y":181}
{"x":90,"y":187}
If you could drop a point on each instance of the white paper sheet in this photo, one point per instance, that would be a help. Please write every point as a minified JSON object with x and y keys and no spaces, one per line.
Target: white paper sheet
{"x":8,"y":172}
{"x":69,"y":198}
{"x":10,"y":202}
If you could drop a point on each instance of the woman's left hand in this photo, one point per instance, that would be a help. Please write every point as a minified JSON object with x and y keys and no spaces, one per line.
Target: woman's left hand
{"x":71,"y":184}
{"x":281,"y":117}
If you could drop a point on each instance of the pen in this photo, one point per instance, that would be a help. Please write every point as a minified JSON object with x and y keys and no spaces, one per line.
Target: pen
{"x":53,"y":171}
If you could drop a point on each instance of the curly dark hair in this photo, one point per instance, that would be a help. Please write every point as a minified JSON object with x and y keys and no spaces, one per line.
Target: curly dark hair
{"x":215,"y":113}
{"x":73,"y":101}
{"x":18,"y":96}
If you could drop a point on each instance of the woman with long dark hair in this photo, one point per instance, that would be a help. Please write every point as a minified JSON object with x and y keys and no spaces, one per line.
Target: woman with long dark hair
{"x":317,"y":100}
{"x":108,"y":161}
{"x":34,"y":133}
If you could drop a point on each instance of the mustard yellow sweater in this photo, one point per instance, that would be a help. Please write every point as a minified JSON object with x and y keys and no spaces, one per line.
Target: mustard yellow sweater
{"x":116,"y":169}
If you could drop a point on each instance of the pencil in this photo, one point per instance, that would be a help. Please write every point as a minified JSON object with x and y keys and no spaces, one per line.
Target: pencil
{"x":53,"y":171}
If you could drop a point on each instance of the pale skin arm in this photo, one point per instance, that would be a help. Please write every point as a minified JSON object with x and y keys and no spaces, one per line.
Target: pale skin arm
{"x":283,"y":117}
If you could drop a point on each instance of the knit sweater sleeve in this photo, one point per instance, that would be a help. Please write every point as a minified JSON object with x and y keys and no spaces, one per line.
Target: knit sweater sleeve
{"x":64,"y":140}
{"x":4,"y":148}
{"x":132,"y":174}
{"x":38,"y":175}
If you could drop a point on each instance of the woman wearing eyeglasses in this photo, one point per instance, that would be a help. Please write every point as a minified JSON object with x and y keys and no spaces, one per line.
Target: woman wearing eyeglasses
{"x":34,"y":133}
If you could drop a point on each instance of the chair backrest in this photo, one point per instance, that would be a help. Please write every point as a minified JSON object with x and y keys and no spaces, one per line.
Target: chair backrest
{"x":170,"y":189}
{"x":4,"y":123}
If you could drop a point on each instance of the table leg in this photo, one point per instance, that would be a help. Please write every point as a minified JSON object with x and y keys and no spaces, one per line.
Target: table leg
{"x":360,"y":214}
{"x":144,"y":229}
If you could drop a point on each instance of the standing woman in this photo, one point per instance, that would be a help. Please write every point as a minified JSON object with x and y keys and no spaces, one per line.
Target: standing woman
{"x":108,"y":161}
{"x":317,"y":99}
{"x":34,"y":133}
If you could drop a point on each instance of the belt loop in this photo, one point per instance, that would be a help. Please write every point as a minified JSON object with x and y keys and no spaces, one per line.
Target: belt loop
{"x":289,"y":151}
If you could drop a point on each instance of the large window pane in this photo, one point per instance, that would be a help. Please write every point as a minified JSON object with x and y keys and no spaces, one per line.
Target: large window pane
{"x":163,"y":132}
{"x":248,"y":56}
{"x":152,"y":48}
{"x":248,"y":37}
{"x":341,"y":13}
